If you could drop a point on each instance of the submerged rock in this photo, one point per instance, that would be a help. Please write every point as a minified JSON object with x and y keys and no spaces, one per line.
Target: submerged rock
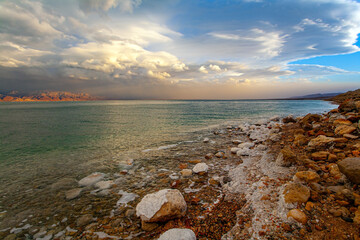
{"x":73,"y":193}
{"x":104,"y":184}
{"x":91,"y":179}
{"x":200,"y":167}
{"x":161,"y":206}
{"x":350,"y":167}
{"x":178,"y":234}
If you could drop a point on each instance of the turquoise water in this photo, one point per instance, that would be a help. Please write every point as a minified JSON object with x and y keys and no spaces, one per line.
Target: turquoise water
{"x":45,"y":141}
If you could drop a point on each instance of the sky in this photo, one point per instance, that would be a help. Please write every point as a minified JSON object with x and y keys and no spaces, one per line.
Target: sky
{"x":180,"y":49}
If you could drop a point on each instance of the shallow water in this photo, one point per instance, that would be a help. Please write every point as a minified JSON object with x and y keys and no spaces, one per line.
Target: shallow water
{"x":44,"y":142}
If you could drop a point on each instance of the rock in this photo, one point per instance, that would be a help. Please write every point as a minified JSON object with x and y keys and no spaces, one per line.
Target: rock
{"x":319,"y":141}
{"x":307,"y":121}
{"x":236,"y":141}
{"x":10,"y":237}
{"x":347,"y":106}
{"x":161,"y":206}
{"x":334,"y":170}
{"x":200,"y":167}
{"x":357,"y":216}
{"x":183,"y":165}
{"x":342,"y":122}
{"x":350,"y":136}
{"x":246,"y":145}
{"x":332,"y":158}
{"x":289,"y":119}
{"x":297,"y":215}
{"x":186,"y":172}
{"x":275,"y":118}
{"x":91,"y":179}
{"x":309,"y":206}
{"x":206,"y":140}
{"x":356,"y":199}
{"x":234,"y":150}
{"x":308,"y":176}
{"x":286,"y":157}
{"x":208,"y":156}
{"x":320,"y":156}
{"x":146,"y":226}
{"x":63,"y":183}
{"x":195,"y":161}
{"x":243,"y":152}
{"x":350,"y":167}
{"x":300,"y":140}
{"x":104,"y":184}
{"x":296,"y":192}
{"x":344,"y":129}
{"x":84,"y":220}
{"x":73,"y":193}
{"x":178,"y":234}
{"x":220,"y":154}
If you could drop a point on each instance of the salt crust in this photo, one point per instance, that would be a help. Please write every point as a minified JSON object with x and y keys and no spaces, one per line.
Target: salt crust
{"x":152,"y":203}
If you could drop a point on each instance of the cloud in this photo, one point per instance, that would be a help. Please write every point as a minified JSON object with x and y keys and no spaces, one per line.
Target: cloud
{"x":103,"y":6}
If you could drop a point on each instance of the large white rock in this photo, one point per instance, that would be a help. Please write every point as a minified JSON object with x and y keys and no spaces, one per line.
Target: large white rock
{"x":161,"y":206}
{"x":178,"y":234}
{"x":200,"y":167}
{"x":91,"y":179}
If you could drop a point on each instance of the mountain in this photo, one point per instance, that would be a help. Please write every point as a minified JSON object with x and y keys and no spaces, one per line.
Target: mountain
{"x":316,"y":96}
{"x":15,"y":96}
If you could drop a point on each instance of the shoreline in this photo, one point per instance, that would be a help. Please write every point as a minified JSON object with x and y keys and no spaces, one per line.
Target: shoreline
{"x":223,"y":185}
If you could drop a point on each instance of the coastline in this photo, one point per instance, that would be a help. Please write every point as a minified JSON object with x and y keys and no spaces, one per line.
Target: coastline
{"x":239,"y":188}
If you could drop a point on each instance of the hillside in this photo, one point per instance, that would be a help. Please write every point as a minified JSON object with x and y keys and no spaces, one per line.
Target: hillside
{"x":45,"y":96}
{"x":355,"y":95}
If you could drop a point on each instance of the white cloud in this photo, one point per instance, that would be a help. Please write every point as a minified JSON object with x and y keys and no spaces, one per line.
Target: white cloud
{"x":106,"y":5}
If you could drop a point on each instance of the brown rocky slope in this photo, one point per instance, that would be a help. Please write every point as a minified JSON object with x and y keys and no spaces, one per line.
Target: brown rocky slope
{"x":46,"y":96}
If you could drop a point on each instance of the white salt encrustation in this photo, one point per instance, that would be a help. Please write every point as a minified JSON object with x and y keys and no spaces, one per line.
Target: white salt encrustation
{"x":178,"y":234}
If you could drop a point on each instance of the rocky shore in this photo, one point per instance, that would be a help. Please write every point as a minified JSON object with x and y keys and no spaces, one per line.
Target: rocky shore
{"x":282,"y":178}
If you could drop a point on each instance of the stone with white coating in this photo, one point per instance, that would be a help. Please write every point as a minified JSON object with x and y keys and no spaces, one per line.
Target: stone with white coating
{"x":200,"y":167}
{"x":161,"y":206}
{"x":91,"y":179}
{"x":178,"y":234}
{"x":73,"y":193}
{"x":104,"y":184}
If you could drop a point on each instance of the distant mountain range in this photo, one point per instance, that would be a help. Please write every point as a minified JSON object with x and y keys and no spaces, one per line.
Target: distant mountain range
{"x":49,"y":96}
{"x":317,"y":96}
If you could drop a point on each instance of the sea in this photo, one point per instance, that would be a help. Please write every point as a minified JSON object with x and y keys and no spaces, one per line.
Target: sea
{"x":43,"y":143}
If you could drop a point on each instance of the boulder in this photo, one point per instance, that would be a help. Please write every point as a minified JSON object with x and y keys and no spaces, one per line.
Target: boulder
{"x":297,"y":215}
{"x":307,"y":121}
{"x":161,"y":206}
{"x":286,"y":157}
{"x":300,"y":140}
{"x":178,"y":234}
{"x":200,"y":167}
{"x":307,"y":176}
{"x":296,"y":193}
{"x":344,"y":129}
{"x":91,"y":179}
{"x":320,"y":141}
{"x":350,"y":167}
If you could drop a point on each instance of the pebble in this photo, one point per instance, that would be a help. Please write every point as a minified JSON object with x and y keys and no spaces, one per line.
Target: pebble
{"x":297,"y":215}
{"x":186,"y":172}
{"x":178,"y":234}
{"x":200,"y":167}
